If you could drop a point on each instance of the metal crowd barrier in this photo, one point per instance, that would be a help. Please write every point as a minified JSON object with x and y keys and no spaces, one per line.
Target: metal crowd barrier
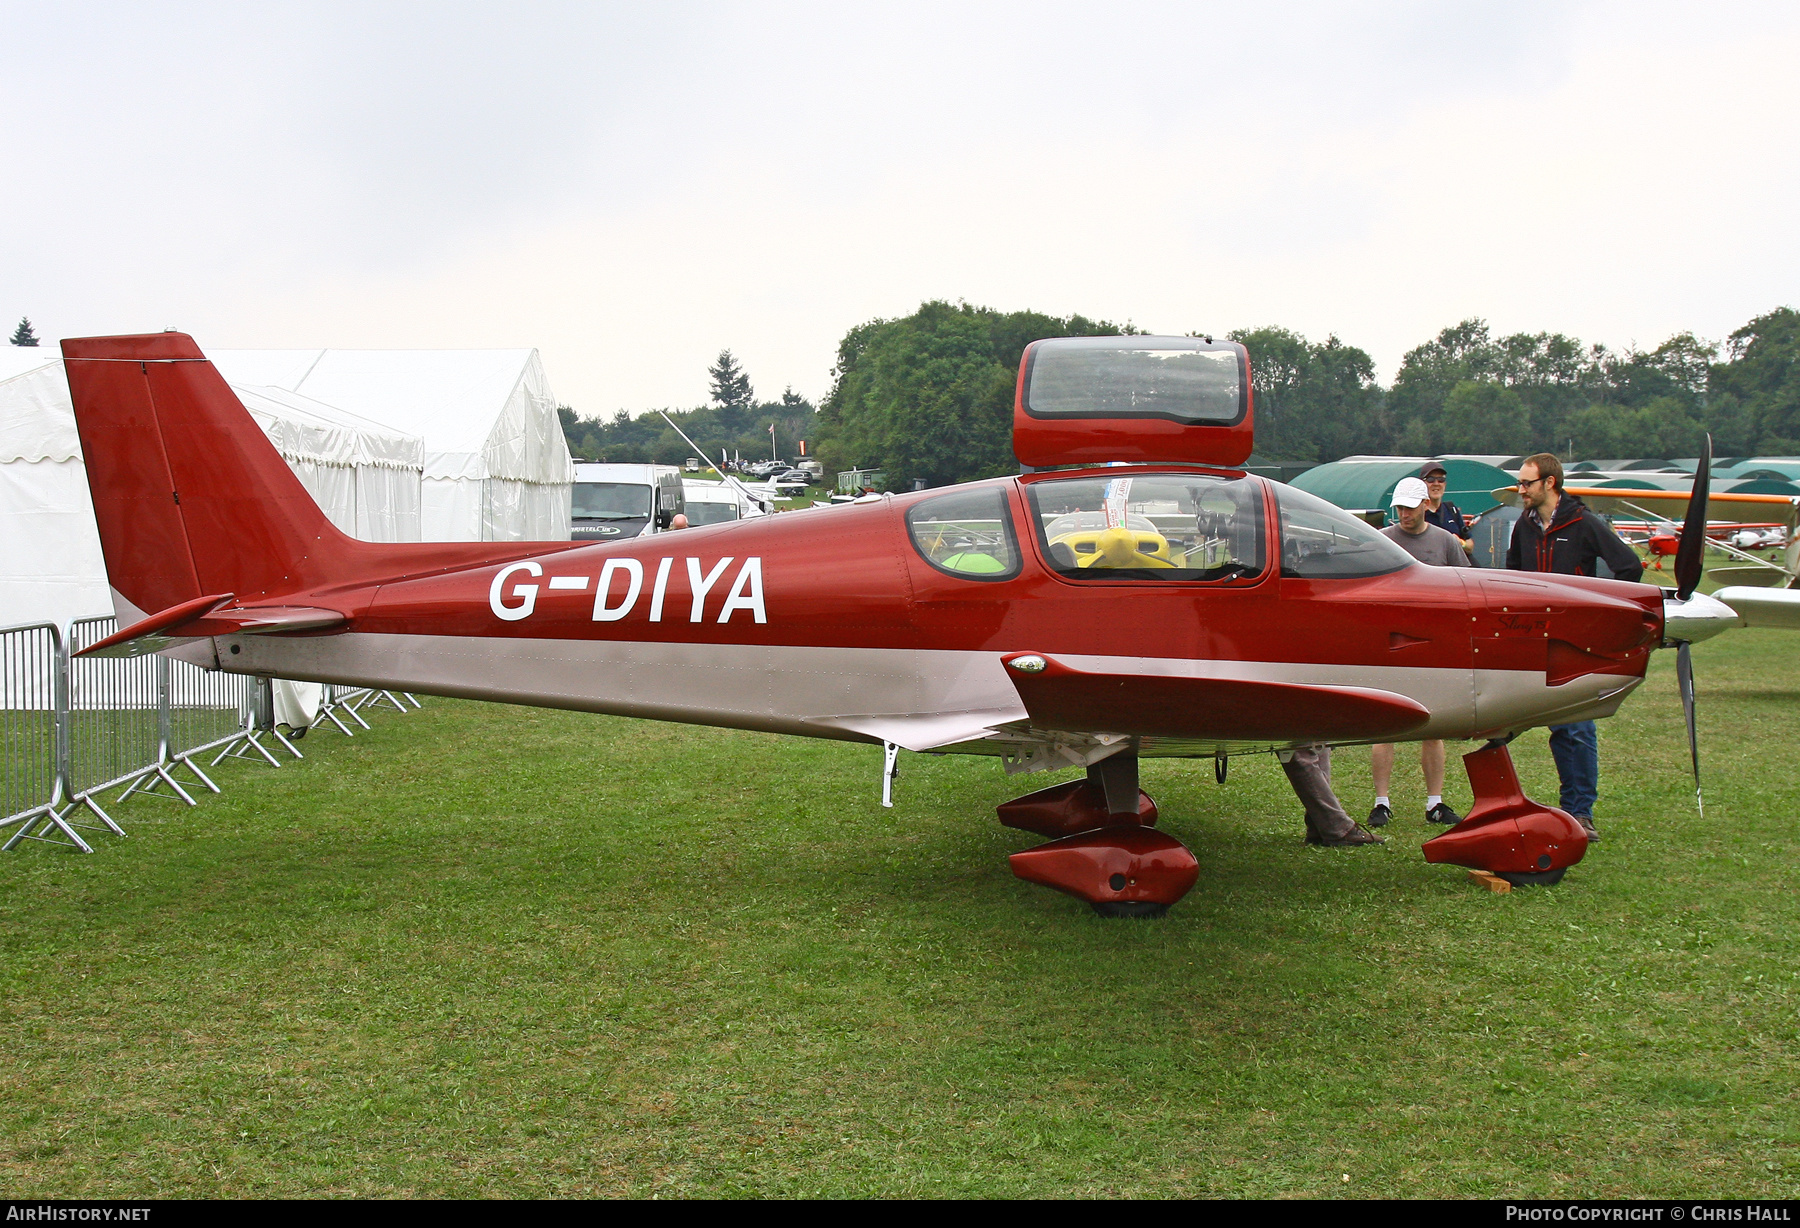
{"x":72,"y":727}
{"x":33,"y":694}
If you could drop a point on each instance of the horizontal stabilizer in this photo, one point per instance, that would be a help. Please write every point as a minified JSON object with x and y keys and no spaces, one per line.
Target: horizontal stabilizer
{"x":1763,"y":607}
{"x":1225,"y":709}
{"x":209,"y":616}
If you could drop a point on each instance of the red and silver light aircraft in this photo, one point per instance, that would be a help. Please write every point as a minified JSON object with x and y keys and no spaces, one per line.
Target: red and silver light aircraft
{"x":1156,"y":602}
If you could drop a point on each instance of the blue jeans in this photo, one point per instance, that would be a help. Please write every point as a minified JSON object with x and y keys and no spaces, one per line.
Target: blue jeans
{"x":1576,"y":749}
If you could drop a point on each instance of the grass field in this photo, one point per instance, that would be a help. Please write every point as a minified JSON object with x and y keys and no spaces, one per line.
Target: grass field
{"x":499,"y":951}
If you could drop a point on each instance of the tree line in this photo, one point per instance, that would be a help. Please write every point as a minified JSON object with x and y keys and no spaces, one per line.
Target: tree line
{"x":732,"y":422}
{"x":929,"y":396}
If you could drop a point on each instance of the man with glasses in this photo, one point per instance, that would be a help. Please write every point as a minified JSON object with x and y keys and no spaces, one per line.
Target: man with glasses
{"x":1558,"y":533}
{"x":1440,"y":511}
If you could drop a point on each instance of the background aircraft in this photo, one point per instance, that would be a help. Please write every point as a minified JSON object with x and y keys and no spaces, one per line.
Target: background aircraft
{"x":1130,"y":594}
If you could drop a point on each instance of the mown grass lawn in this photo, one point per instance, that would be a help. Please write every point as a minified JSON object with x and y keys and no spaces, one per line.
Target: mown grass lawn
{"x":498,"y":951}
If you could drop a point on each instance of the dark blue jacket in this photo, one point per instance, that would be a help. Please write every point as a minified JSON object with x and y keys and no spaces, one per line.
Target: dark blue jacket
{"x":1575,"y":538}
{"x":1448,"y":517}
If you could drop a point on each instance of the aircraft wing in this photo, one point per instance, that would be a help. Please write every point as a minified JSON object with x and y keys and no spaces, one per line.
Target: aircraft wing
{"x":1763,"y":607}
{"x":924,"y":731}
{"x":1058,"y":696}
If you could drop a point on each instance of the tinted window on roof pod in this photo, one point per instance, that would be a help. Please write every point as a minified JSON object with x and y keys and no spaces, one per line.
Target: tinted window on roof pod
{"x":1165,"y":526}
{"x":967,"y":533}
{"x":1181,"y":379}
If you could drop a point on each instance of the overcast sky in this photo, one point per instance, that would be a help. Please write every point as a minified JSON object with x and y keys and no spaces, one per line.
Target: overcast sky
{"x":632,"y":188}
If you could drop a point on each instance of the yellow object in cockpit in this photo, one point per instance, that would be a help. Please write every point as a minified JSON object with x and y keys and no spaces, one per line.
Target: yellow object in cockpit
{"x":1118,"y":547}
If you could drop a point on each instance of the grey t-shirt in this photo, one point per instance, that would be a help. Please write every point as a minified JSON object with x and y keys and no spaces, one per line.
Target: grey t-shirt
{"x":1435,"y":546}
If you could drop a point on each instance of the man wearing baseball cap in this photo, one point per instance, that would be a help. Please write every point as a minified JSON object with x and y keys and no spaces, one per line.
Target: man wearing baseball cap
{"x":1436,"y":547}
{"x":1440,"y":511}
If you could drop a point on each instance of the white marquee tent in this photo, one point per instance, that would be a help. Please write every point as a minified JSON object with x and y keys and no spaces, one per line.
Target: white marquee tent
{"x":496,"y":465}
{"x":50,"y":564}
{"x":368,"y":478}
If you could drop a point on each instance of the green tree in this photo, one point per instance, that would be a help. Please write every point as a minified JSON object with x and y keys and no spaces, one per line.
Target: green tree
{"x":929,"y":396}
{"x":731,"y":392}
{"x":23,"y":335}
{"x":1762,"y":378}
{"x":1483,"y":416}
{"x":1313,"y":402}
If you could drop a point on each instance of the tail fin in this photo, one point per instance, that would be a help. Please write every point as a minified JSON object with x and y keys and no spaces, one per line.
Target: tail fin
{"x":190,"y":496}
{"x":193,"y":500}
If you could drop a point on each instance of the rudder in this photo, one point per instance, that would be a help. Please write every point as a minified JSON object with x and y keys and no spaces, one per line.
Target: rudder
{"x":189,"y":495}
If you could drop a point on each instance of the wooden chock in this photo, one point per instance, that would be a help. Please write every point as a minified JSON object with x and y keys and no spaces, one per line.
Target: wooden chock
{"x":1493,"y":882}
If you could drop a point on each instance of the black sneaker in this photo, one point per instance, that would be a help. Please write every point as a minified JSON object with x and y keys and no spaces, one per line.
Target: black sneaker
{"x":1441,"y":813}
{"x":1378,"y":817}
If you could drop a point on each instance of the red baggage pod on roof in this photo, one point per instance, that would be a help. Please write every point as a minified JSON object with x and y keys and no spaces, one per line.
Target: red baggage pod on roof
{"x":1089,"y":400}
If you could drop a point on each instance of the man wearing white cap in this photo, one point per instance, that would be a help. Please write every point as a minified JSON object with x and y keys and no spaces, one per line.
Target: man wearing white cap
{"x":1437,"y":548}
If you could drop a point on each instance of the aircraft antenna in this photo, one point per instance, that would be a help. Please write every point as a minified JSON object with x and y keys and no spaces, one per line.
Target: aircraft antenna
{"x":741,"y":488}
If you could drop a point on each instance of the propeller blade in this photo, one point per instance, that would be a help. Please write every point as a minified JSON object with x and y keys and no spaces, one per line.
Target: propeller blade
{"x":1690,"y":556}
{"x":1684,"y":675}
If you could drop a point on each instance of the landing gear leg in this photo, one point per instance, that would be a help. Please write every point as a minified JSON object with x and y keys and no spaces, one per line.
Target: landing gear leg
{"x":1506,"y":833}
{"x":1108,"y":853}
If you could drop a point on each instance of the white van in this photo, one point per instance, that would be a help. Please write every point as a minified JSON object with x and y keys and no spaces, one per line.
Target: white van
{"x":717,"y":503}
{"x":610,"y":503}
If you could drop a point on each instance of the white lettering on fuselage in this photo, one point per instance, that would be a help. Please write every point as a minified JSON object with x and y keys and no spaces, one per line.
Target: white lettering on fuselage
{"x":527,"y":593}
{"x":634,"y":583}
{"x":746,"y":593}
{"x":662,"y":586}
{"x":621,"y":583}
{"x":700,"y":587}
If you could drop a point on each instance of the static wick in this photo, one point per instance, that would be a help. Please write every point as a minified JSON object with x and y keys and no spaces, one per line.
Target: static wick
{"x":890,"y":768}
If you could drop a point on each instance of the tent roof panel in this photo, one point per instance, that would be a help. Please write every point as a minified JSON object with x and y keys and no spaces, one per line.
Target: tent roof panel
{"x":450,"y":398}
{"x":1364,"y":482}
{"x":18,"y":359}
{"x":36,"y":420}
{"x":493,"y":403}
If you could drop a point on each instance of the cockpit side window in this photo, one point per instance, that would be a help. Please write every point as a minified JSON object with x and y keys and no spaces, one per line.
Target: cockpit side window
{"x":1159,"y":526}
{"x":1320,"y":541}
{"x":968,"y":534}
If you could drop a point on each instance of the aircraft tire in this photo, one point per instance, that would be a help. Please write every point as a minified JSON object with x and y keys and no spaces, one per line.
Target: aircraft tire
{"x":1543,"y":878}
{"x":1130,"y":908}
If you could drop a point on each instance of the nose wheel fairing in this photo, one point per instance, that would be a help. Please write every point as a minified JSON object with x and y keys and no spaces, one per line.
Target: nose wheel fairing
{"x":1506,"y":833}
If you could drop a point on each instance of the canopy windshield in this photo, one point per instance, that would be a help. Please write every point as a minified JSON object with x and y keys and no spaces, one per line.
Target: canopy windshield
{"x":1322,"y":542}
{"x":1154,"y":527}
{"x":1181,"y":379}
